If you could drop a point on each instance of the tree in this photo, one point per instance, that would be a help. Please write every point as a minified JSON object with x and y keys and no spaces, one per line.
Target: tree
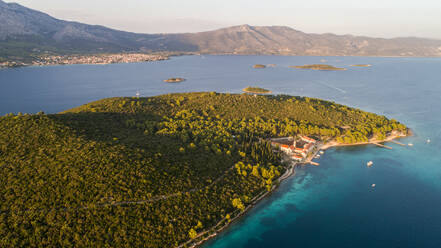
{"x":255,"y":171}
{"x":237,"y":203}
{"x":192,"y":234}
{"x":199,"y":225}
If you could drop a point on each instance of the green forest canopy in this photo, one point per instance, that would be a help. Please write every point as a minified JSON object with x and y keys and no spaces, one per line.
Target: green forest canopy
{"x":152,"y":172}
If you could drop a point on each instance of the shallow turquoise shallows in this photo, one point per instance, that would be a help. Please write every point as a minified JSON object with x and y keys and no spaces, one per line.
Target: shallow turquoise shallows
{"x":332,"y":205}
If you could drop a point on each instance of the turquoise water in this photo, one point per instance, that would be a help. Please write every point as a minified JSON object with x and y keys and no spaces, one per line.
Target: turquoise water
{"x":332,"y":205}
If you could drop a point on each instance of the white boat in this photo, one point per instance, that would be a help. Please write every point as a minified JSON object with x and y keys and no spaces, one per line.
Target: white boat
{"x":428,"y":141}
{"x":373,"y":185}
{"x":322,"y":152}
{"x":369,"y":164}
{"x":410,"y":144}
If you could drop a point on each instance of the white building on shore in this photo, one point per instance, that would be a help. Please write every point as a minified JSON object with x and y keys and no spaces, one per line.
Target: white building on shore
{"x":308,"y":140}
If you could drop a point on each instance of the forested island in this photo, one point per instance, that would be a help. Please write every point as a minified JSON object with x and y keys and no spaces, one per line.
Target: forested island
{"x":256,"y":90}
{"x":174,"y":80}
{"x":164,"y":171}
{"x":319,"y":67}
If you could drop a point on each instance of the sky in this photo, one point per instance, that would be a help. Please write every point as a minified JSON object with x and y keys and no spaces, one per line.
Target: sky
{"x":376,"y":18}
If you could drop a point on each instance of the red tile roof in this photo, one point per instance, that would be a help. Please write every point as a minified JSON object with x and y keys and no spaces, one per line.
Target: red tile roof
{"x":307,"y":138}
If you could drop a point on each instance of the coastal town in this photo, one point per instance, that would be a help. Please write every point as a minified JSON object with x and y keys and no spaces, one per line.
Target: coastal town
{"x":87,"y":59}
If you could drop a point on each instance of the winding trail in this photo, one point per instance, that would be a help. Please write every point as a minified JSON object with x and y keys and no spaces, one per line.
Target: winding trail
{"x":161,"y":197}
{"x":139,"y":202}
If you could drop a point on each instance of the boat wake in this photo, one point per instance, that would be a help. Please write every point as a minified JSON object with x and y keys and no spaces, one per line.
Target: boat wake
{"x":332,"y":87}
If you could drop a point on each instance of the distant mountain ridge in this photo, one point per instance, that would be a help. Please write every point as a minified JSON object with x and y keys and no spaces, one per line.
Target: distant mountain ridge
{"x":24,"y":31}
{"x":247,"y":39}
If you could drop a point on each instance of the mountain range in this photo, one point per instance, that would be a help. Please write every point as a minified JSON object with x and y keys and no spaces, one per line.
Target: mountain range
{"x":24,"y":31}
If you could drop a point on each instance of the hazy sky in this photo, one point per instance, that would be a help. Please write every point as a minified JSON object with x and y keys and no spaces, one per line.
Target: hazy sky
{"x":379,"y":18}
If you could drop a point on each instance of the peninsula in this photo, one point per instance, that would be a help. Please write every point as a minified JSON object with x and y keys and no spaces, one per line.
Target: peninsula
{"x":256,"y":90}
{"x":320,"y":67}
{"x":164,"y":171}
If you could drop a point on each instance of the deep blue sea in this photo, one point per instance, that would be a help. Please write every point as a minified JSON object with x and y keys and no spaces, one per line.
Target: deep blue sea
{"x":332,"y":205}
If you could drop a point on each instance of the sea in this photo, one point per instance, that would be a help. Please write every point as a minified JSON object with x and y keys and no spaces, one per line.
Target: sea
{"x":331,"y":205}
